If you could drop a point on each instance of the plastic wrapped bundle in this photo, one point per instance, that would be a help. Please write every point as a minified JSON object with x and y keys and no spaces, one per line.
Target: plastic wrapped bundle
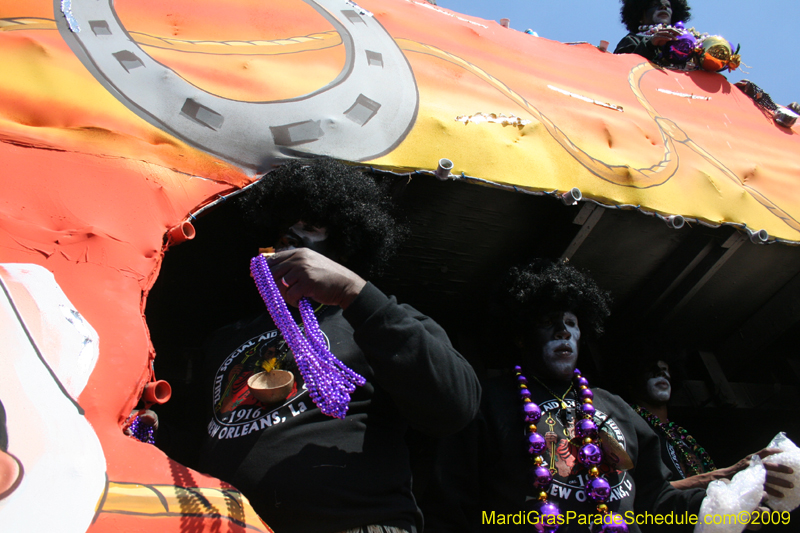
{"x":790,"y":456}
{"x":725,"y":501}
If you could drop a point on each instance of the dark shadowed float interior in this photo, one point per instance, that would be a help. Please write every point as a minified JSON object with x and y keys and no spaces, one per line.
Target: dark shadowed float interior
{"x":731,"y":305}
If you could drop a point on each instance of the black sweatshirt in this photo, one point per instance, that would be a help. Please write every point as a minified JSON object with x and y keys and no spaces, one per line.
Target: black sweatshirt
{"x":637,"y":44}
{"x":484,"y":469}
{"x":304,"y":471}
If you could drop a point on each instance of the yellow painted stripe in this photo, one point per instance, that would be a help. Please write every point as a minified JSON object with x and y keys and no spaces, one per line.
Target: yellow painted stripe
{"x":305,"y":43}
{"x":161,"y":500}
{"x":27,"y":24}
{"x":316,"y":41}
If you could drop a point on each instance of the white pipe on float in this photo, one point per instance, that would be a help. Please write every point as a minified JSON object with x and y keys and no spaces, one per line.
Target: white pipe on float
{"x":785,"y":117}
{"x":674,"y":221}
{"x":572,"y":196}
{"x":759,"y":237}
{"x":444,"y":168}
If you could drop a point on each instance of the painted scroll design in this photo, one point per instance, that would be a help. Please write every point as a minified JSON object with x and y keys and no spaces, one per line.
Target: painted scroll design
{"x":622,"y":175}
{"x":183,"y":503}
{"x":675,"y":133}
{"x":619,"y":174}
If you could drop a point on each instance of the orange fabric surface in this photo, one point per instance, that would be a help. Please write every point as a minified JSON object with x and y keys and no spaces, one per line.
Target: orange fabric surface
{"x":234,"y":49}
{"x":88,"y":190}
{"x":720,"y":158}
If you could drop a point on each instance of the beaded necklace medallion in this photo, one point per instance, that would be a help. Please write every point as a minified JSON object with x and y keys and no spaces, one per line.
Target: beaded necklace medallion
{"x":590,"y":455}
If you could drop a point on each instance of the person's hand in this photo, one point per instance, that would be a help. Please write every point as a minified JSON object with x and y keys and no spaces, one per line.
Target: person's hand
{"x":146,"y":416}
{"x":773,"y":484}
{"x":665,"y":35}
{"x":302,"y":272}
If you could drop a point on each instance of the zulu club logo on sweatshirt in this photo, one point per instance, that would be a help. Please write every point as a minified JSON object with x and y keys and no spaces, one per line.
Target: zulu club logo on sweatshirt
{"x":569,"y":479}
{"x":237,"y":413}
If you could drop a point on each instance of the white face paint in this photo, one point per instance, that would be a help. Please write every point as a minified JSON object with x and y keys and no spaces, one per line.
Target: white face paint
{"x":557,"y":336}
{"x":662,"y":16}
{"x":660,"y":12}
{"x":659,"y":388}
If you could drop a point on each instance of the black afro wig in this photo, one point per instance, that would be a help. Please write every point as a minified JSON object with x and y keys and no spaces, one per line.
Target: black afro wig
{"x":633,"y":10}
{"x":545,"y":285}
{"x":356,"y":210}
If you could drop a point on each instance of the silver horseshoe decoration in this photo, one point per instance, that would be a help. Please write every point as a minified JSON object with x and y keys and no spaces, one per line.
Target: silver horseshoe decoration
{"x":362,"y":114}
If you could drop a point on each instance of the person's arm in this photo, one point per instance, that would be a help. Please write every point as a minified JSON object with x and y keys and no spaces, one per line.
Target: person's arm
{"x":773,"y":485}
{"x":431,"y":384}
{"x":699,"y":481}
{"x":636,"y":44}
{"x":646,"y":46}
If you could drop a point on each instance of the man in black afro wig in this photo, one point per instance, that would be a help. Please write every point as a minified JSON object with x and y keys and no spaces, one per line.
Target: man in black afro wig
{"x":301,"y":467}
{"x":549,"y":307}
{"x":538,"y":424}
{"x":636,"y":13}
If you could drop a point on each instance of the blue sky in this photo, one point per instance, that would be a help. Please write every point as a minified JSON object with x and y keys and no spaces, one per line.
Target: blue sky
{"x":766,"y":29}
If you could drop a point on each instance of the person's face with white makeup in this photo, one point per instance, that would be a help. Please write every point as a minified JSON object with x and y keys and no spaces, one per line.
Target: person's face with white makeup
{"x":659,"y":12}
{"x":553,"y":344}
{"x":659,"y":386}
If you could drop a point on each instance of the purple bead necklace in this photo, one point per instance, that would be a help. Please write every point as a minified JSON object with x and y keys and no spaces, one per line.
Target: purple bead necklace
{"x":141,"y":431}
{"x":590,"y":455}
{"x":328,"y":380}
